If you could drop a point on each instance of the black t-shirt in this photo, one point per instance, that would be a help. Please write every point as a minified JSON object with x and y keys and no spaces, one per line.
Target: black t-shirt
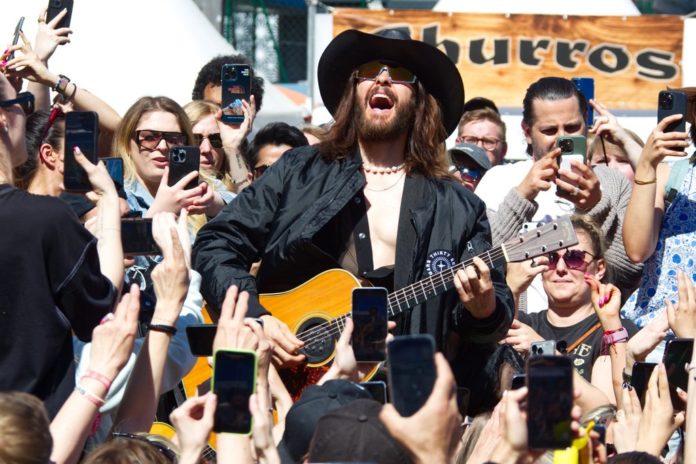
{"x":51,"y":284}
{"x":586,"y":352}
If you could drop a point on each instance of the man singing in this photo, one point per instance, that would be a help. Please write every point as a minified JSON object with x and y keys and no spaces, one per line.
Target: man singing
{"x":374,"y":198}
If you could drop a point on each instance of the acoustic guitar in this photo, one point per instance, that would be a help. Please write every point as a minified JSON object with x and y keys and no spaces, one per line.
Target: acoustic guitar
{"x":316,"y":310}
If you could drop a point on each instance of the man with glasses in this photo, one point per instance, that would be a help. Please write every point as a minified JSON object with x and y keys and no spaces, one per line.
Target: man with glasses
{"x":374,"y":198}
{"x":485,"y":128}
{"x":469,"y":164}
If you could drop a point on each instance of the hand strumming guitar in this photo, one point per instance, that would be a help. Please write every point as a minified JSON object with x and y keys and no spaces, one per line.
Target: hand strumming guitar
{"x":285,"y":343}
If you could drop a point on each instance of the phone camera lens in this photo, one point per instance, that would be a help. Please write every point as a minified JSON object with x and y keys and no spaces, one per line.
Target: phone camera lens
{"x":566,"y":145}
{"x":666,"y":101}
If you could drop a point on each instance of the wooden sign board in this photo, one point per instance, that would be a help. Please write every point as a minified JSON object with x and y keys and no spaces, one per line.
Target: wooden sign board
{"x":630,"y":58}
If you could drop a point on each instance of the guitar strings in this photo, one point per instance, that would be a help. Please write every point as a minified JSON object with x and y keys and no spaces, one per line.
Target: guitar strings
{"x":330,"y":328}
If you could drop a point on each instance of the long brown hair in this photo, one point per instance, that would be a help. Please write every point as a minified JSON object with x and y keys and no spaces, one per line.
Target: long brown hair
{"x":425,"y":153}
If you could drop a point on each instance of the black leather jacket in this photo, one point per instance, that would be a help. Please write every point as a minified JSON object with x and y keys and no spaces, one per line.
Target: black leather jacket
{"x":277,"y":216}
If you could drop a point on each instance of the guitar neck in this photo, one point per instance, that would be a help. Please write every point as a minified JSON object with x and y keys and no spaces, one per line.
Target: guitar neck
{"x":436,"y":284}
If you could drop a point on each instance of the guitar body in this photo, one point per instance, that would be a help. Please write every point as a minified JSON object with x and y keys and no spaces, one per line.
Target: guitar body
{"x":309,"y":310}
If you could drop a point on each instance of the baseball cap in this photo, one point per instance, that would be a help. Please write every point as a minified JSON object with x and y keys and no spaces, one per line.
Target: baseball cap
{"x":476,"y":153}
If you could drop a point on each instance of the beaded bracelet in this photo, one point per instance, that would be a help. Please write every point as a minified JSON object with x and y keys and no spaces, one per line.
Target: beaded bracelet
{"x":94,"y":399}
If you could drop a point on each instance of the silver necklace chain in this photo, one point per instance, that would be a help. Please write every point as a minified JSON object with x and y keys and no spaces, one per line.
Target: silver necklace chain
{"x":389,"y":187}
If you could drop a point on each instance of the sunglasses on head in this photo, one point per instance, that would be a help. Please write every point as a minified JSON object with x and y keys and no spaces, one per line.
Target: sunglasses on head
{"x":24,"y":99}
{"x":166,"y":451}
{"x":214,"y":139}
{"x":397,"y":73}
{"x":573,"y":259}
{"x":150,"y":139}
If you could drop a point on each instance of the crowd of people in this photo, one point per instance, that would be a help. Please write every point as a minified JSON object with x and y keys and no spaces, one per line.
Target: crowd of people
{"x":93,"y":348}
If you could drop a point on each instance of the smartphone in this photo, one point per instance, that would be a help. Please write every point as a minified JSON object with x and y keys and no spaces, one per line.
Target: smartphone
{"x":677,"y":354}
{"x":411,"y":372}
{"x":585,"y":86}
{"x":545,"y":347}
{"x":236,"y":86}
{"x":15,"y":38}
{"x":81,"y":130}
{"x":183,"y":159}
{"x":463,"y":395}
{"x":136,"y":237}
{"x":518,"y":381}
{"x":639,"y":378}
{"x":377,"y":389}
{"x":55,"y":7}
{"x":573,"y":147}
{"x":549,"y":401}
{"x":114,"y":165}
{"x":200,"y":338}
{"x":671,"y":102}
{"x":234,"y":381}
{"x":369,"y":324}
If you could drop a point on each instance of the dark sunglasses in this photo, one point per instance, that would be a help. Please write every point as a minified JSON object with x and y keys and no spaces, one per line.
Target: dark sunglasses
{"x":573,"y":259}
{"x":24,"y":99}
{"x":471,"y":173}
{"x":149,"y":139}
{"x":166,"y":451}
{"x":398,"y":74}
{"x":259,"y":170}
{"x":214,"y":139}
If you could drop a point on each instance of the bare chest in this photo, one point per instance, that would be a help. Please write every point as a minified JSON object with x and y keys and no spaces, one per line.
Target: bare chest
{"x":383,"y":208}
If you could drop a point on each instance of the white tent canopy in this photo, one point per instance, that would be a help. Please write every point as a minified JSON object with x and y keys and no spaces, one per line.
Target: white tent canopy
{"x":560,"y":7}
{"x":124,"y":50}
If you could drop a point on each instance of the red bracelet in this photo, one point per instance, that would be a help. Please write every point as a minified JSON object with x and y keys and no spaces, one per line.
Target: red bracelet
{"x":91,"y":397}
{"x":104,"y":380}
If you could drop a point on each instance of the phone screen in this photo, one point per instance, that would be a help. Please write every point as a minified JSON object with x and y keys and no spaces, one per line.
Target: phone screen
{"x":234,"y":381}
{"x":182,"y":161}
{"x":550,"y":383}
{"x":81,"y":130}
{"x":677,"y":355}
{"x":639,"y":378}
{"x":114,"y":166}
{"x":369,"y":324}
{"x":411,"y":372}
{"x":200,"y":338}
{"x":136,"y":237}
{"x":236,"y":86}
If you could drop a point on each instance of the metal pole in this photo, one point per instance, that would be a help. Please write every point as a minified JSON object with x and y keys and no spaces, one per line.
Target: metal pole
{"x":311,"y":17}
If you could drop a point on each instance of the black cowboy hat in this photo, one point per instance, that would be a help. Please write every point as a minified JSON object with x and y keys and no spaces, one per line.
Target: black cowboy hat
{"x":351,"y":48}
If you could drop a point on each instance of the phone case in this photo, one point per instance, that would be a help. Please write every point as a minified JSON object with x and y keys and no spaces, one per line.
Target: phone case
{"x":200,"y":339}
{"x":81,"y":130}
{"x":236,"y":86}
{"x":225,"y":410}
{"x":411,"y":372}
{"x":183,"y":160}
{"x":573,"y":147}
{"x":114,"y":165}
{"x":639,"y":378}
{"x":585,"y":86}
{"x":677,"y":354}
{"x":369,"y":305}
{"x":671,"y":102}
{"x":55,"y":7}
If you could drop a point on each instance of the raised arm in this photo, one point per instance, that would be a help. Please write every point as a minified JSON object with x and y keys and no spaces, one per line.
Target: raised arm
{"x":646,"y":207}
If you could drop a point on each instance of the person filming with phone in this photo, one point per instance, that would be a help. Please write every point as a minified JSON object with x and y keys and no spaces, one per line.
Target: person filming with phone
{"x":553,"y":108}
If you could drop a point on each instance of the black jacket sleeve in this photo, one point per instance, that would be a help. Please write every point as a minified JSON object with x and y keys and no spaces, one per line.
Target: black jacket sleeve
{"x":227,"y":246}
{"x":494,"y":327}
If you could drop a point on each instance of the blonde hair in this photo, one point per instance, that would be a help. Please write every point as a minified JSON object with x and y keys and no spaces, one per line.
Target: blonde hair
{"x":137,"y":450}
{"x":201,"y":109}
{"x":126,"y":130}
{"x":25,"y":436}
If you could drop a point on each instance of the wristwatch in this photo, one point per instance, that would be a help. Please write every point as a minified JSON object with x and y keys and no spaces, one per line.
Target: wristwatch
{"x":615,"y":336}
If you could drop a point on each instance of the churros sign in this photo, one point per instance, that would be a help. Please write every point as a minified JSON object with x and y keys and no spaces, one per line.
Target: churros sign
{"x":630,"y":58}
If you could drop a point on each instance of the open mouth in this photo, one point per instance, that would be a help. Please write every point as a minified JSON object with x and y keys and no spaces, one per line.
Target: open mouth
{"x":160,"y":161}
{"x":381,"y":102}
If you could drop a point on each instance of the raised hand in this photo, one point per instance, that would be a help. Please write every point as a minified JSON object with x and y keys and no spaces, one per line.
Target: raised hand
{"x":520,"y":275}
{"x":193,"y":421}
{"x":170,"y":277}
{"x":661,"y":144}
{"x":541,"y":176}
{"x":606,"y":301}
{"x":521,"y":337}
{"x":627,"y":422}
{"x":29,"y":65}
{"x":232,"y":331}
{"x":98,"y":176}
{"x":48,"y":38}
{"x":682,"y":316}
{"x":579,"y":186}
{"x":173,"y":199}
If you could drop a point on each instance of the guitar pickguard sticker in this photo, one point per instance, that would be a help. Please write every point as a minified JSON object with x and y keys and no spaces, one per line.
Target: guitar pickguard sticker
{"x":438,"y":261}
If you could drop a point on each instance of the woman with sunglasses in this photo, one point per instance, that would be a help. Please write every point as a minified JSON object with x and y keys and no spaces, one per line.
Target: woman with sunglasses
{"x":570,"y":319}
{"x":221,"y":145}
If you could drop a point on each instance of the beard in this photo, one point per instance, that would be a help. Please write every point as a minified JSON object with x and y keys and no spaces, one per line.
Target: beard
{"x":379,"y":129}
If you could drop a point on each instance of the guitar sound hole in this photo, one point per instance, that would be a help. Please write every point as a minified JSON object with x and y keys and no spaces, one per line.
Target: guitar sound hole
{"x":319,"y":341}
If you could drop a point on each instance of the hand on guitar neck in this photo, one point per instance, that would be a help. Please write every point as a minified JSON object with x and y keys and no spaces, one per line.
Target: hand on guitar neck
{"x":475,"y":289}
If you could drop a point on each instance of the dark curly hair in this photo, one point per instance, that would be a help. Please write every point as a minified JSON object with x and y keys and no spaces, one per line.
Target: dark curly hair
{"x":210,"y":74}
{"x":274,"y":133}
